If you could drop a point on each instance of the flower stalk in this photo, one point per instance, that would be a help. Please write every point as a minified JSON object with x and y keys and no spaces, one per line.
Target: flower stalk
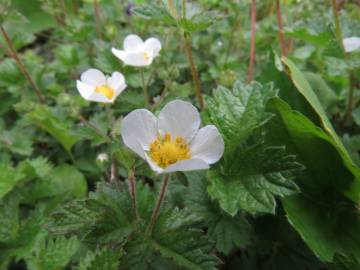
{"x":252,"y":42}
{"x":97,"y":18}
{"x":21,"y":66}
{"x":351,"y":76}
{"x":280,"y":29}
{"x":145,"y":88}
{"x":159,"y":202}
{"x":194,"y":72}
{"x":132,"y":189}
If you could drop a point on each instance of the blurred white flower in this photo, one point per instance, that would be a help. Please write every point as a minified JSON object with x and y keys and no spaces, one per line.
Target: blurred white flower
{"x":138,"y":53}
{"x":95,"y":86}
{"x":351,"y":44}
{"x":103,"y":157}
{"x":173,"y":141}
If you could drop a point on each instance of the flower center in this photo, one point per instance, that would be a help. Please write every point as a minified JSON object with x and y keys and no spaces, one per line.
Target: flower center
{"x":146,"y":56}
{"x":164,"y":151}
{"x":106,"y":91}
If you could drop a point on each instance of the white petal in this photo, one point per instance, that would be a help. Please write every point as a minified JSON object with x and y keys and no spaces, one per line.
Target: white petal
{"x":138,"y":130}
{"x":179,"y":118}
{"x":153,"y":46}
{"x":116,"y":82}
{"x":119,"y":54}
{"x":133,"y":43}
{"x":207,"y":145}
{"x":84,"y":89}
{"x":137,"y":59}
{"x":98,"y":97}
{"x":187,"y":165}
{"x":93,"y":77}
{"x":351,"y":44}
{"x":153,"y":165}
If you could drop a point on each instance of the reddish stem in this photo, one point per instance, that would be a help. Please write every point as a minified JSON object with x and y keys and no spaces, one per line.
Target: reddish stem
{"x":281,"y":29}
{"x":21,"y":66}
{"x":132,"y":186}
{"x":97,"y":18}
{"x":252,"y":44}
{"x":158,"y":203}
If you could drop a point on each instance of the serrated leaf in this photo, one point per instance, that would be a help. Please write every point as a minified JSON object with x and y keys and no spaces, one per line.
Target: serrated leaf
{"x":104,"y":259}
{"x":53,"y":254}
{"x":154,"y":12}
{"x":238,"y":112}
{"x":9,"y":177}
{"x":44,"y":118}
{"x":9,"y":218}
{"x":257,"y":174}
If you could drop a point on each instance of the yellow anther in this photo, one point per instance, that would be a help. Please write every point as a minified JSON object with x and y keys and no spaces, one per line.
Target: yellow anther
{"x":106,"y":91}
{"x":164,"y":151}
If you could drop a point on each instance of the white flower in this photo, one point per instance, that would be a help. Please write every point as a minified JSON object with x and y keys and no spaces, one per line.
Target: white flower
{"x":173,"y":141}
{"x":351,"y":44}
{"x":102,"y":157}
{"x":138,"y":53}
{"x":95,"y":86}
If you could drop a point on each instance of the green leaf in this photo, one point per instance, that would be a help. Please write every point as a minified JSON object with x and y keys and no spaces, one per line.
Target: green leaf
{"x":256,"y":175}
{"x":239,"y":112}
{"x":103,"y":218}
{"x":325,"y":94}
{"x":9,"y":73}
{"x":228,"y":232}
{"x":9,"y":218}
{"x":47,"y":120}
{"x":306,"y":90}
{"x":326,"y":220}
{"x":174,"y":238}
{"x":342,"y":262}
{"x":16,"y":142}
{"x":64,"y":180}
{"x":9,"y":177}
{"x":53,"y":254}
{"x":104,"y":259}
{"x":154,"y":12}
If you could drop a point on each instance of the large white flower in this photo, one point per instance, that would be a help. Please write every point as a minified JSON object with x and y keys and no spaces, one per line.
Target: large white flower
{"x":95,"y":86}
{"x":173,"y":141}
{"x":136,"y":52}
{"x":351,"y":44}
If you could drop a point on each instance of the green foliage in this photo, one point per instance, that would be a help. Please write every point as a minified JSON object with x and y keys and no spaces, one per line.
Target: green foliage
{"x":53,"y":254}
{"x":324,"y":217}
{"x":48,"y":121}
{"x":257,"y":174}
{"x":239,"y":112}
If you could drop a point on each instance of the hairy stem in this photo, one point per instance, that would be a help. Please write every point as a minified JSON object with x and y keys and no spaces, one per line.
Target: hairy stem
{"x":194,"y":72}
{"x":159,"y":202}
{"x":280,"y":29}
{"x":145,"y":87}
{"x":132,"y":188}
{"x":351,"y":76}
{"x":252,"y":42}
{"x":21,"y":65}
{"x":97,"y":18}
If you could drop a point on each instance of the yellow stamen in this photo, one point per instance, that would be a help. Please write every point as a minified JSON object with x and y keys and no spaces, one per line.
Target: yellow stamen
{"x":146,"y":56}
{"x":164,"y":151}
{"x":106,"y":91}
